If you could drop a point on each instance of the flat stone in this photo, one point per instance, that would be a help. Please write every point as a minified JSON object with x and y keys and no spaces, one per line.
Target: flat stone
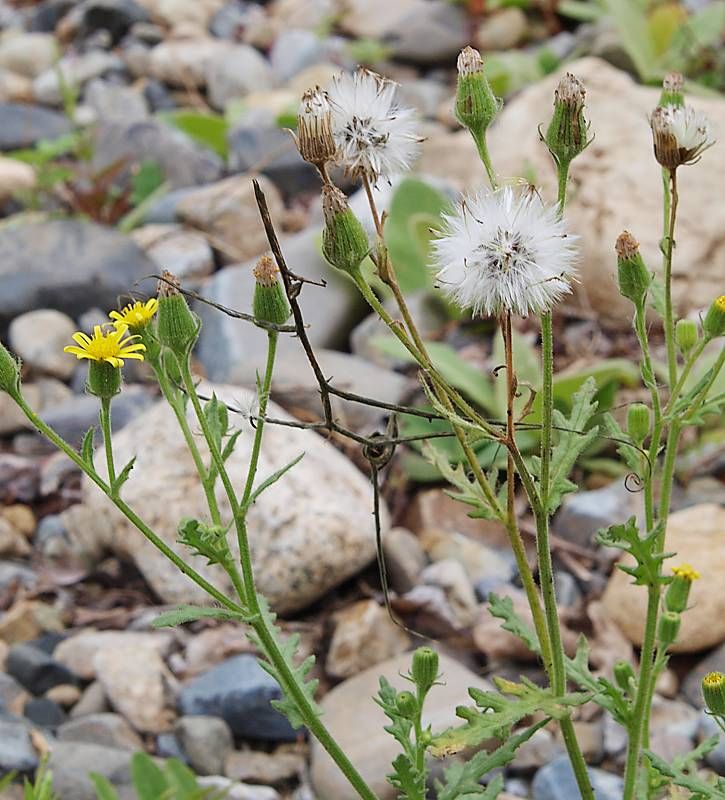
{"x":233,"y":71}
{"x":36,"y":670}
{"x":16,"y":748}
{"x":92,"y":701}
{"x":73,"y":73}
{"x":44,"y":713}
{"x":15,"y":177}
{"x":38,"y":337}
{"x":364,"y":635}
{"x":12,"y":695}
{"x":113,"y":103}
{"x":182,"y":63}
{"x":206,"y":742}
{"x":64,"y":694}
{"x":238,"y":791}
{"x":556,"y":781}
{"x":256,"y":766}
{"x":27,"y":54}
{"x":431,"y":32}
{"x":25,"y":125}
{"x":697,"y":535}
{"x":109,"y":730}
{"x":310,"y":531}
{"x":174,"y":248}
{"x":365,"y":742}
{"x":404,"y":559}
{"x":239,"y":691}
{"x":72,"y":762}
{"x":36,"y":260}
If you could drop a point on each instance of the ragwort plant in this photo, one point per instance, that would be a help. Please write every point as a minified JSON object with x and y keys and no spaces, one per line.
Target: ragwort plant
{"x":504,"y":252}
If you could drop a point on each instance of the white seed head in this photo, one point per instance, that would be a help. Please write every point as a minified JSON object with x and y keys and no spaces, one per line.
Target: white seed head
{"x":314,"y":128}
{"x":681,"y":135}
{"x":375,"y":136}
{"x":505,"y":251}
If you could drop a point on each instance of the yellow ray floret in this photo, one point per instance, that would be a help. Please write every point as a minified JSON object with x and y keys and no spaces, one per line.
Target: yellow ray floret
{"x":686,"y":571}
{"x":107,"y":345}
{"x":135,"y":315}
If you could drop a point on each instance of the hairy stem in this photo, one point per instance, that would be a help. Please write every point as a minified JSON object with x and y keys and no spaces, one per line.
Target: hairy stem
{"x":105,"y":419}
{"x":482,"y":147}
{"x":669,"y":314}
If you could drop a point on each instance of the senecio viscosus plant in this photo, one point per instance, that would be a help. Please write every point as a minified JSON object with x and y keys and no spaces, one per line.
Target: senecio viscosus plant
{"x":502,"y":252}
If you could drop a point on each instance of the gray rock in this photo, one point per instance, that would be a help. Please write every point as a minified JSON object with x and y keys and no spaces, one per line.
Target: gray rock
{"x":239,"y":691}
{"x":556,"y":781}
{"x":44,"y":712}
{"x":293,"y":51}
{"x":165,"y":210}
{"x":167,"y":746}
{"x":68,"y":265}
{"x":184,"y":252}
{"x":584,"y":513}
{"x":74,"y":72}
{"x":183,"y":162}
{"x":114,"y":16}
{"x":109,"y":730}
{"x":423,"y":94}
{"x":27,"y":54}
{"x":715,"y":758}
{"x":16,"y":748}
{"x":404,"y":559}
{"x":12,"y":572}
{"x":114,"y":103}
{"x":233,"y":72}
{"x":47,"y":15}
{"x":12,"y":695}
{"x":36,"y":670}
{"x":158,"y":96}
{"x":72,"y":762}
{"x":25,"y":125}
{"x":38,"y":337}
{"x":19,"y":479}
{"x":271,"y":150}
{"x":92,"y":701}
{"x":206,"y":742}
{"x":229,"y":21}
{"x":432,"y":32}
{"x":567,"y":589}
{"x":539,"y":750}
{"x":691,"y":686}
{"x":238,"y":791}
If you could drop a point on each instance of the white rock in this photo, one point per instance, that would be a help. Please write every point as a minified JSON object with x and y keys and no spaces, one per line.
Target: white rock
{"x":184,"y":252}
{"x":177,"y":12}
{"x":615,"y":184}
{"x":238,"y":791}
{"x":75,"y":71}
{"x":310,"y":531}
{"x":183,"y":62}
{"x":39,"y":337}
{"x":14,"y":87}
{"x":15,"y":176}
{"x":236,"y":71}
{"x":27,"y":54}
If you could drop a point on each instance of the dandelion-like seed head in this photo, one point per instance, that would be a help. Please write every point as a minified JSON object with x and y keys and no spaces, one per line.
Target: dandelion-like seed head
{"x":315,"y":140}
{"x":375,"y":136}
{"x":135,"y":315}
{"x":505,"y":251}
{"x":681,"y":135}
{"x":107,"y":344}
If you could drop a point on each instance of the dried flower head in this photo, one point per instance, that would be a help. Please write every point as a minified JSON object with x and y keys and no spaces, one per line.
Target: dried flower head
{"x":375,"y":136}
{"x":681,"y":135}
{"x":314,"y":128}
{"x":135,"y":315}
{"x":505,"y":251}
{"x":111,"y":345}
{"x":672,"y":90}
{"x":566,"y":136}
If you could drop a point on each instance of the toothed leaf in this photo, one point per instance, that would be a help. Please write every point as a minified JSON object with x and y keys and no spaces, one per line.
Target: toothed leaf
{"x":646,"y":571}
{"x":183,"y":614}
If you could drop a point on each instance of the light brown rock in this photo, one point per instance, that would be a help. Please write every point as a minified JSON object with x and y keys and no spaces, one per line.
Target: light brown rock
{"x":27,"y":619}
{"x":228,"y":211}
{"x":39,"y":337}
{"x":697,"y":535}
{"x":14,"y":87}
{"x":15,"y":176}
{"x":356,"y":722}
{"x":137,"y":684}
{"x":20,"y":516}
{"x":12,"y":543}
{"x":65,"y":694}
{"x":364,"y":636}
{"x":615,"y":184}
{"x":78,"y":652}
{"x":27,"y":54}
{"x":183,"y":62}
{"x":256,"y":766}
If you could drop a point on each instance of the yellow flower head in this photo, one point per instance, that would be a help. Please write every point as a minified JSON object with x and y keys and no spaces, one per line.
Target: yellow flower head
{"x":135,"y":315}
{"x":714,"y":680}
{"x":686,"y":571}
{"x":720,"y":303}
{"x":107,"y":345}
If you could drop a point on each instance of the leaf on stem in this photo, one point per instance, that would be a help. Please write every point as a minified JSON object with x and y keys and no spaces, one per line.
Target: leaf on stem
{"x":205,"y":540}
{"x":503,"y":608}
{"x":184,"y":614}
{"x":273,"y":478}
{"x":683,"y":772}
{"x":87,"y":447}
{"x":123,"y":476}
{"x":646,"y":571}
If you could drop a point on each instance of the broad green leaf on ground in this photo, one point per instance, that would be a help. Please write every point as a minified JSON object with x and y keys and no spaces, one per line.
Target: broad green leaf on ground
{"x":631,"y":21}
{"x":662,"y":24}
{"x":209,"y":130}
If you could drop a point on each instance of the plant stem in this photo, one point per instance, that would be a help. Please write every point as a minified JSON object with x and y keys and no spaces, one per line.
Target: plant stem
{"x":105,"y":419}
{"x":697,"y":351}
{"x":272,"y":337}
{"x":669,"y":315}
{"x":482,"y":147}
{"x":248,"y":594}
{"x":61,"y":444}
{"x":562,"y":176}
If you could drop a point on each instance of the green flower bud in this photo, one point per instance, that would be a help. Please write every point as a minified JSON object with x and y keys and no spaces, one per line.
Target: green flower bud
{"x":638,"y":420}
{"x":177,"y":327}
{"x":476,"y":105}
{"x":624,"y":675}
{"x":566,"y":136}
{"x":678,"y":591}
{"x":406,"y":705}
{"x":669,"y":627}
{"x":714,"y":322}
{"x":270,"y":302}
{"x":344,"y":241}
{"x":686,"y":335}
{"x":634,"y":279}
{"x":672,"y":94}
{"x":9,"y":372}
{"x":104,"y":379}
{"x":713,"y":692}
{"x":425,"y":668}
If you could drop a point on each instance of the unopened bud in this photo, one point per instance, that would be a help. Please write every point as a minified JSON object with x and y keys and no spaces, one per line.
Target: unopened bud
{"x":678,"y":591}
{"x":714,"y":322}
{"x":668,"y":628}
{"x":634,"y":279}
{"x":344,"y":241}
{"x":406,"y":705}
{"x":624,"y":674}
{"x":315,"y":140}
{"x":177,"y":327}
{"x":638,"y":420}
{"x":672,"y":94}
{"x":713,"y":693}
{"x":104,"y":380}
{"x":476,"y":104}
{"x":424,"y":670}
{"x":686,"y":335}
{"x":566,"y":136}
{"x":9,"y":372}
{"x":270,"y":302}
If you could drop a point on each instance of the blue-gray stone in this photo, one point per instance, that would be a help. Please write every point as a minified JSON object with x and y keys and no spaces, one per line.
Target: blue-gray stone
{"x":25,"y":125}
{"x":16,"y":748}
{"x":556,"y":781}
{"x":44,"y":712}
{"x":239,"y":691}
{"x":36,"y":670}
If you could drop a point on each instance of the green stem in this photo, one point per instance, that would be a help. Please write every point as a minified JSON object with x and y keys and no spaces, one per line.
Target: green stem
{"x":702,"y":394}
{"x":685,"y":374}
{"x":562,"y":176}
{"x":482,"y":146}
{"x":62,"y":445}
{"x":263,"y":400}
{"x":248,"y":593}
{"x":669,"y":314}
{"x":105,"y":418}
